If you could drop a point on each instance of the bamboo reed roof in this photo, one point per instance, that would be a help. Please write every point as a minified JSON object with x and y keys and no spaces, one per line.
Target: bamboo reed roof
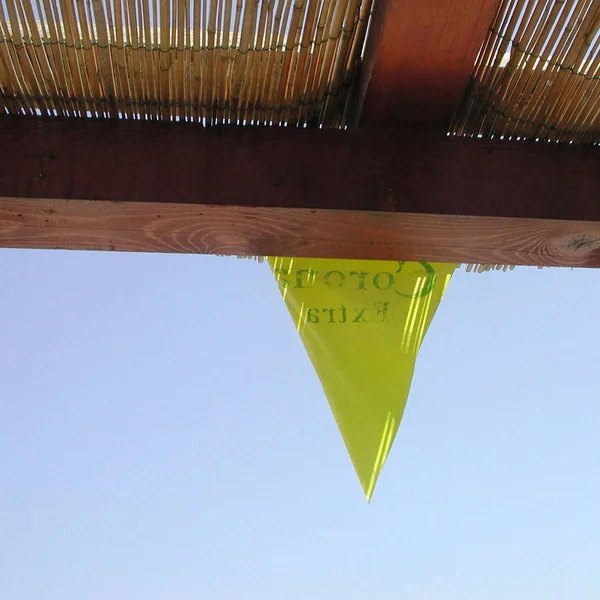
{"x":214,"y":61}
{"x":538,"y":74}
{"x":285,"y":62}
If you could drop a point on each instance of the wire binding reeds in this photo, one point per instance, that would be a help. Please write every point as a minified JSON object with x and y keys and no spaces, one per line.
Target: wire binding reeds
{"x":537,"y":75}
{"x":214,"y":61}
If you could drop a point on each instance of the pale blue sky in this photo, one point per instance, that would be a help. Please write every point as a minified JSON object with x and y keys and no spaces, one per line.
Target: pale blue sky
{"x":163,"y":436}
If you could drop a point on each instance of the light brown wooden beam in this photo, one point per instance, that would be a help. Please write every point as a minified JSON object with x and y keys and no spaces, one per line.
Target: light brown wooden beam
{"x":419,"y":58}
{"x":316,"y":233}
{"x":400,"y":193}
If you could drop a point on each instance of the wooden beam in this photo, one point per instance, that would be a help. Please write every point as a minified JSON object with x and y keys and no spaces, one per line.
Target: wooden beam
{"x":419,"y":58}
{"x":316,"y":233}
{"x":405,"y":194}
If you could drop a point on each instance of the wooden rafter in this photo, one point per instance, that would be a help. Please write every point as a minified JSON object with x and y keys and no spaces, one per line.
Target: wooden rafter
{"x":419,"y":59}
{"x":400,"y":193}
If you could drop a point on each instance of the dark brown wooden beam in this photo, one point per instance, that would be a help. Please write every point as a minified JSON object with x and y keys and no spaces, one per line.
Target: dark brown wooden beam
{"x":419,"y":58}
{"x":406,"y":194}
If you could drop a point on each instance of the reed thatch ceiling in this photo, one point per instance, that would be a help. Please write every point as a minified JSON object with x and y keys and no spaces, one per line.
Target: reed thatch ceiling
{"x":285,"y":62}
{"x":254,"y":61}
{"x":538,"y":74}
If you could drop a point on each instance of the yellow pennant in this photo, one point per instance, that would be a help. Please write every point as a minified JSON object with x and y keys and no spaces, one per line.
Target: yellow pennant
{"x":362,"y":323}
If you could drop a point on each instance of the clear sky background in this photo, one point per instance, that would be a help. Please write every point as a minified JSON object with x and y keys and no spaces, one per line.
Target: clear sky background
{"x":163,"y":436}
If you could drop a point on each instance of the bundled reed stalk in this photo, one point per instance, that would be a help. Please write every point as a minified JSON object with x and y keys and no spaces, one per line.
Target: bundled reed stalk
{"x":538,"y":74}
{"x":213,"y":61}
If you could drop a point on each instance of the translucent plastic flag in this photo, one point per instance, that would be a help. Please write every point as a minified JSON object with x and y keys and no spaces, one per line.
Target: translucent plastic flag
{"x":362,"y":323}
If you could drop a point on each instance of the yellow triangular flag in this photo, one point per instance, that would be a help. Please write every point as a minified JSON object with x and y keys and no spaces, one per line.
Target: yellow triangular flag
{"x":362,"y":323}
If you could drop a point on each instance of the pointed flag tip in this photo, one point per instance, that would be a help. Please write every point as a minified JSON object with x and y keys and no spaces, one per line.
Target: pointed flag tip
{"x":368,"y":490}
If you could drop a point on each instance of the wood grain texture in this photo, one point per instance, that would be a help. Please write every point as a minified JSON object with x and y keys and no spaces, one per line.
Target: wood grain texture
{"x":390,"y":193}
{"x":419,"y":58}
{"x":260,"y":231}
